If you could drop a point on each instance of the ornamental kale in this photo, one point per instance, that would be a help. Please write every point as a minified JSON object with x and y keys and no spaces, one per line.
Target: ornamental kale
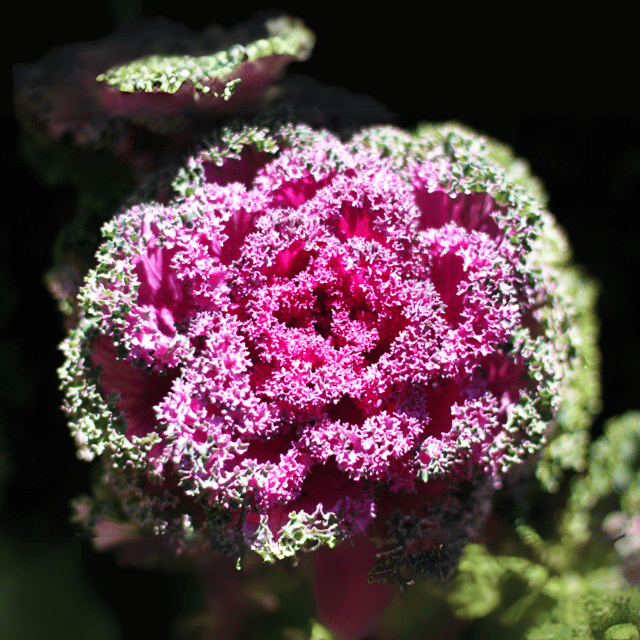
{"x":318,"y":340}
{"x":156,"y":75}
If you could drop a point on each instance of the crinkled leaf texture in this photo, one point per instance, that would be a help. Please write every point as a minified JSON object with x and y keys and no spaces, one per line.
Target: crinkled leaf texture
{"x":575,"y":587}
{"x":550,"y":605}
{"x":156,"y":74}
{"x":318,"y":339}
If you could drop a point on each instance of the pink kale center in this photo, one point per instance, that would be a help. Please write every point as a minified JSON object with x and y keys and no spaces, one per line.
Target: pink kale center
{"x":322,"y":340}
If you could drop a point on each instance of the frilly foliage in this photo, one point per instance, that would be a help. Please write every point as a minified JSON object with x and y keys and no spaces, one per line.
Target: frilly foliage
{"x":572,"y":587}
{"x":283,"y":36}
{"x":247,"y":163}
{"x":578,"y":330}
{"x":135,"y":103}
{"x":91,"y":90}
{"x":549,"y":603}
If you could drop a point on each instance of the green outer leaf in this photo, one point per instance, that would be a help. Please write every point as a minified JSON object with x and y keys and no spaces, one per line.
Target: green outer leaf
{"x":614,"y":470}
{"x":168,"y":73}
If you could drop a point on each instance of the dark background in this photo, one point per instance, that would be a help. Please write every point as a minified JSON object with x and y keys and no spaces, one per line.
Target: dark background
{"x":558,"y":108}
